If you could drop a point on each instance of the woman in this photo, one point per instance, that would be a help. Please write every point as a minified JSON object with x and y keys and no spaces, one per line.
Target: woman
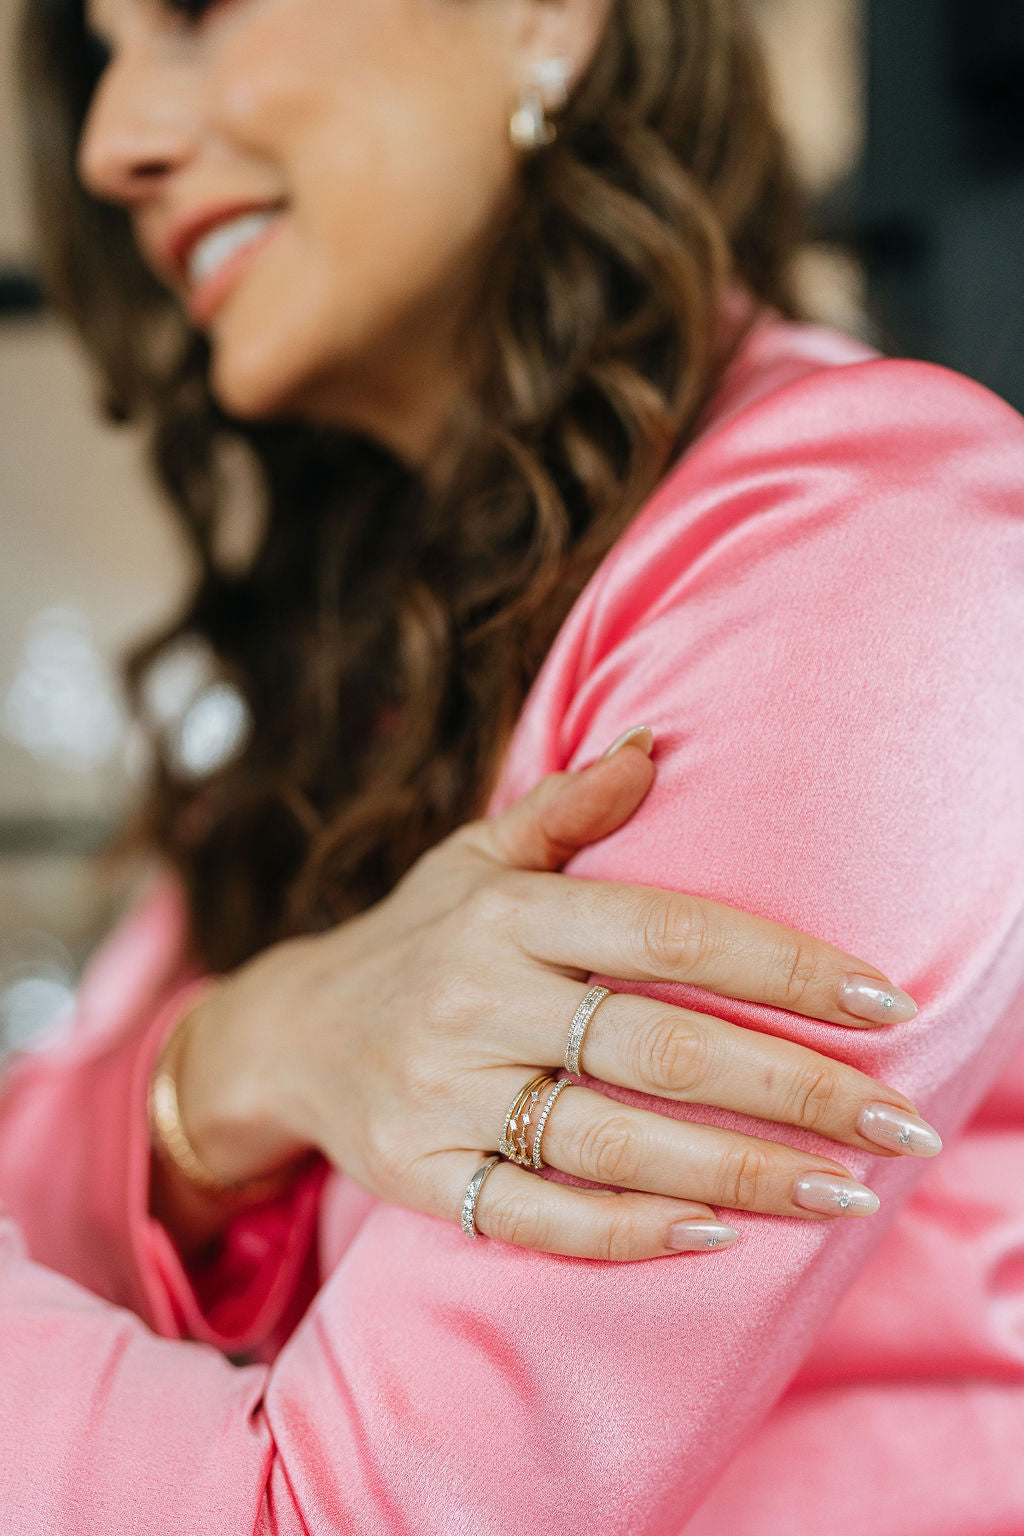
{"x":494,"y":293}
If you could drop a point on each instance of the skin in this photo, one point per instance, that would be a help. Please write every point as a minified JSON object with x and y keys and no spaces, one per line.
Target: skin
{"x":400,"y":1054}
{"x":383,"y":131}
{"x":383,"y":128}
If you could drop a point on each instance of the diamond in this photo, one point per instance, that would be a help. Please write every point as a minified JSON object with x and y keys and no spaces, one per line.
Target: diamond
{"x":888,"y":1000}
{"x":904,"y":1135}
{"x":844,"y":1198}
{"x":713,"y":1240}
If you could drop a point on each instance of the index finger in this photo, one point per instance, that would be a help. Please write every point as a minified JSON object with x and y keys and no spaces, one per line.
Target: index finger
{"x":642,"y":933}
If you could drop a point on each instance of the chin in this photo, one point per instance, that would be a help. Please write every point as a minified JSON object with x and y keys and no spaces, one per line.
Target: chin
{"x":258,"y":374}
{"x":251,"y":384}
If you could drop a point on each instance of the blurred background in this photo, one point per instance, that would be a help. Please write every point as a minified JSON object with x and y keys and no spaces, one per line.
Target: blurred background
{"x":908,"y":124}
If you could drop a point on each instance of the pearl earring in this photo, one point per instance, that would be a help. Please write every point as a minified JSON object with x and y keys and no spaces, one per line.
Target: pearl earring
{"x":546,"y":89}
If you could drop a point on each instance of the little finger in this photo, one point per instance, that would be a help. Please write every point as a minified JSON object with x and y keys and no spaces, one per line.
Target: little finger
{"x":519,"y":1207}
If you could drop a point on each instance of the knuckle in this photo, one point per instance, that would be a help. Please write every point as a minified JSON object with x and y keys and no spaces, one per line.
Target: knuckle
{"x":388,"y":1155}
{"x":445,"y":997}
{"x":617,"y":1238}
{"x":673,"y":936}
{"x":419,"y":1076}
{"x":434,"y":858}
{"x":549,"y":789}
{"x":515,"y":1219}
{"x":745,"y":1177}
{"x":812,"y":1097}
{"x":800,"y":969}
{"x":463,"y":838}
{"x":490,"y":909}
{"x":673,"y":1056}
{"x":608,"y":1150}
{"x":484,"y":907}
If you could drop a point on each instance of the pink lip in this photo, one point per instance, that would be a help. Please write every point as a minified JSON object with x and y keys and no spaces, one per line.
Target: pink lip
{"x":169,"y":253}
{"x":206,"y":297}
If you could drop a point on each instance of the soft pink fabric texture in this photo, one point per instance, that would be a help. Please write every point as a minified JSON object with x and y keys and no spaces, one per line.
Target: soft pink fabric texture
{"x":821,"y":614}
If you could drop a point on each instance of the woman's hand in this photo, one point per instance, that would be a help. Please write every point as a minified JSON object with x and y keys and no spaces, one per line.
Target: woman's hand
{"x":396,"y":1042}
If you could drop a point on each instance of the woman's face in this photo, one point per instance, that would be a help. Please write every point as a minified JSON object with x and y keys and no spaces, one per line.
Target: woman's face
{"x":353,"y":157}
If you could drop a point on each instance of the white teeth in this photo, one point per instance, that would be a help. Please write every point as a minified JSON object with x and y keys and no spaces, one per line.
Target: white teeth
{"x":218,"y":244}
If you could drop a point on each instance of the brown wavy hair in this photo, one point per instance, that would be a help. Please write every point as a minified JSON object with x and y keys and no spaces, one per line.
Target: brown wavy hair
{"x":384,"y":631}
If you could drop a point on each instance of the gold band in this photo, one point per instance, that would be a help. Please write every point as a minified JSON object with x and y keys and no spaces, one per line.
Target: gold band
{"x":563,"y":1082}
{"x":588,"y":1006}
{"x":514,"y":1137}
{"x":167,"y":1133}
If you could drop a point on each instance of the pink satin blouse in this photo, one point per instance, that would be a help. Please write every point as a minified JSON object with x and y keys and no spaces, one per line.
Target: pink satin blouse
{"x":820,"y":611}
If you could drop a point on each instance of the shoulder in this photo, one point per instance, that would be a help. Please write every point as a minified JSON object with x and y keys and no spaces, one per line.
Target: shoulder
{"x":878,"y":413}
{"x":873,"y":422}
{"x":879,"y":459}
{"x":794,"y":375}
{"x":843,"y":520}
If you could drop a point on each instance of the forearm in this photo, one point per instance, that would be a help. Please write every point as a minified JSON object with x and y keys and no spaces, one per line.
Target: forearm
{"x":76,"y":1166}
{"x":103,"y":1426}
{"x":229,"y":1138}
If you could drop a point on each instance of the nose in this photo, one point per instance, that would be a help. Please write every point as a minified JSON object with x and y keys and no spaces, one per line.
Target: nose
{"x":141,"y":125}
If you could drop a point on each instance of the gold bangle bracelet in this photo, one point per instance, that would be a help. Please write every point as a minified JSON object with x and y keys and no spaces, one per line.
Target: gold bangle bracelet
{"x":167,"y":1133}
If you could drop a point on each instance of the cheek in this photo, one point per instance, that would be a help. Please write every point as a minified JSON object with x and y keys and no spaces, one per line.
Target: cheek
{"x":402,"y":199}
{"x":381,"y":75}
{"x":385,"y":125}
{"x":392,"y":167}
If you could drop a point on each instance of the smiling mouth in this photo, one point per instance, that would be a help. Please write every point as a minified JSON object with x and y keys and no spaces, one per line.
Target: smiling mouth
{"x":218,"y":246}
{"x":220,"y":256}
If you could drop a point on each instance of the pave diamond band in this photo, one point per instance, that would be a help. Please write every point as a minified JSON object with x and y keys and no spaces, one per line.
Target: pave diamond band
{"x":469,"y":1199}
{"x":578,"y":1028}
{"x":542,"y":1122}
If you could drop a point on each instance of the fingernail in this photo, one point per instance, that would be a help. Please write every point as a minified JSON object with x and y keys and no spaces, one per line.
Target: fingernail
{"x":894,"y":1128}
{"x":691,"y":1236}
{"x":865,"y":997}
{"x":829,"y":1193}
{"x":640,"y":735}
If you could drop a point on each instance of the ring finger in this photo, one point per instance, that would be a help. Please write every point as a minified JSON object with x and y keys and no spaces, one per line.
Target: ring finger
{"x":596,"y":1138}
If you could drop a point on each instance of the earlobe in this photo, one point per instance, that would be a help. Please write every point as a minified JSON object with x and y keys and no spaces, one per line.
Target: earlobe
{"x":555,"y":43}
{"x":545,"y":89}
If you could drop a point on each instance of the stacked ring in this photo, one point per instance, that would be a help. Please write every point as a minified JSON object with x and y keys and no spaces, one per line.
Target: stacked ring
{"x":515,"y":1138}
{"x":578,"y":1028}
{"x":513,"y":1143}
{"x":564,"y":1082}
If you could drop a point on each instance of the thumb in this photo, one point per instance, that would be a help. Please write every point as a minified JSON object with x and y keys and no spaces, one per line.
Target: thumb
{"x":565,"y":811}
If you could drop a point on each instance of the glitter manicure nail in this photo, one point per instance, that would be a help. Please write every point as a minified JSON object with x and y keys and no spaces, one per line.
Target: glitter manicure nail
{"x":865,"y":997}
{"x":694,"y":1236}
{"x":832,"y":1195}
{"x":898,"y":1130}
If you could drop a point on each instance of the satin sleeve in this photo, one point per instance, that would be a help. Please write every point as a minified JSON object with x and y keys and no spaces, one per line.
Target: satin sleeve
{"x":75,"y":1158}
{"x":820,"y":616}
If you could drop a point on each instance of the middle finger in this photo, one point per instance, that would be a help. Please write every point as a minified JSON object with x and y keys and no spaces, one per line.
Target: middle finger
{"x":653,"y":1047}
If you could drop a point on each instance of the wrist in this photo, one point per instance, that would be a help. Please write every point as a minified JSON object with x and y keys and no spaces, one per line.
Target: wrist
{"x":206,"y":1125}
